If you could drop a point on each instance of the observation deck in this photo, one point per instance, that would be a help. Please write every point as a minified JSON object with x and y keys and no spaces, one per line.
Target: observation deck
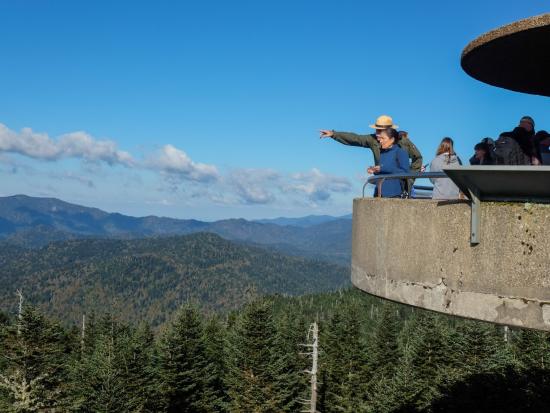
{"x":488,"y":257}
{"x":419,"y":252}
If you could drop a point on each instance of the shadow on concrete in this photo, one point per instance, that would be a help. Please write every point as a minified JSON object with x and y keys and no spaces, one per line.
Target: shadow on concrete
{"x":444,"y":202}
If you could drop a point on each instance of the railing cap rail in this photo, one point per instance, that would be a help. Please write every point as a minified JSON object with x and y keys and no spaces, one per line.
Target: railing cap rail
{"x":413,"y":175}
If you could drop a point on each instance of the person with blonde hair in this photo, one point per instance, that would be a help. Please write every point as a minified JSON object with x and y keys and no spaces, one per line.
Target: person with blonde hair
{"x":445,"y":156}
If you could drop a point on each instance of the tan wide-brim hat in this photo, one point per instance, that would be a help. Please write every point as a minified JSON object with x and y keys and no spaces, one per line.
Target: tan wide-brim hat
{"x":384,"y":122}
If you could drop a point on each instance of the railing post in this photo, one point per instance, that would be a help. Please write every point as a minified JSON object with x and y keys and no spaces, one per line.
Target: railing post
{"x":475,"y":216}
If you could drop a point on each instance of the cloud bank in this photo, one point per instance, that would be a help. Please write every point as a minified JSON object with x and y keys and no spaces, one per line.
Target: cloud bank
{"x":236,"y":186}
{"x":262,"y":186}
{"x":72,"y":145}
{"x":173,"y":161}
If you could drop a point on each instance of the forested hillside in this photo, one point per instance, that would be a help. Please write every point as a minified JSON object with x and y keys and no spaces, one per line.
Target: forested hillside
{"x":148,"y":279}
{"x":34,"y":222}
{"x":374,"y":356}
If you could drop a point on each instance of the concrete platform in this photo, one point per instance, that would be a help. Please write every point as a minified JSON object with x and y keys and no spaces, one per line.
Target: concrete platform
{"x":418,"y":252}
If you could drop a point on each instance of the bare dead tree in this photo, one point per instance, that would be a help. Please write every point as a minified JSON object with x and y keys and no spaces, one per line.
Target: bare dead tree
{"x":82,"y":333}
{"x":312,"y":344}
{"x":20,"y":311}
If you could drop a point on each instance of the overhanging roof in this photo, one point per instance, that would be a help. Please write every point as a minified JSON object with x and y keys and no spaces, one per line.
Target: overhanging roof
{"x":503,"y":183}
{"x":515,"y":56}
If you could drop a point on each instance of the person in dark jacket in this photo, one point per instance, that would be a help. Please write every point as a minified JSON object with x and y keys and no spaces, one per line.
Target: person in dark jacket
{"x":482,"y":155}
{"x":524,"y":135}
{"x":371,"y":141}
{"x":542,"y":142}
{"x":393,"y":160}
{"x":522,"y":153}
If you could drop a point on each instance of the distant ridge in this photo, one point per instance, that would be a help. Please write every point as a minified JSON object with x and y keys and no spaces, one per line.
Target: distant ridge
{"x":147,"y":279}
{"x":34,"y":222}
{"x":306,"y":221}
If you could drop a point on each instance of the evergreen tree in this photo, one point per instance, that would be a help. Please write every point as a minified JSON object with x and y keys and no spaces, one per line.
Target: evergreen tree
{"x":141,"y":376}
{"x":187,"y":377}
{"x":5,"y":396}
{"x":383,"y":355}
{"x":476,"y":348}
{"x":113,"y":371}
{"x":33,"y":355}
{"x":215,"y":336}
{"x":533,"y":349}
{"x":421,"y":370}
{"x":4,"y":318}
{"x":250,"y":355}
{"x":290,"y":366}
{"x":343,"y":362}
{"x":533,"y":353}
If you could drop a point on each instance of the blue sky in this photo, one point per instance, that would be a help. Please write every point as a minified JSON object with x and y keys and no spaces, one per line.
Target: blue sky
{"x":212,"y":109}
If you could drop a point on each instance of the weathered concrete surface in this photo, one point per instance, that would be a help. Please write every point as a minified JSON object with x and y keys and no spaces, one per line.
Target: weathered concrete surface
{"x":418,"y":252}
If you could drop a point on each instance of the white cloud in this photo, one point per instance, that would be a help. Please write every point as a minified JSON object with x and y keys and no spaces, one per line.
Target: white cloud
{"x":82,"y":145}
{"x":175,"y":162}
{"x":316,"y":185}
{"x":202,"y":181}
{"x":72,"y":145}
{"x":264,"y":186}
{"x":254,"y":186}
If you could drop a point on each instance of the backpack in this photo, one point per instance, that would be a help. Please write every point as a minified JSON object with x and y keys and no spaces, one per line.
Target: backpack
{"x":508,"y":151}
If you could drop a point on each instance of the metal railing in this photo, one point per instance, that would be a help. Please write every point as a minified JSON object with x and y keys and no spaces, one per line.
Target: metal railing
{"x":379,"y":179}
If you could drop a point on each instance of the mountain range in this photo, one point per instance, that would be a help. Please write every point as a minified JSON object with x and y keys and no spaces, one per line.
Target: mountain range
{"x":34,"y":222}
{"x":304,"y":222}
{"x":148,"y":278}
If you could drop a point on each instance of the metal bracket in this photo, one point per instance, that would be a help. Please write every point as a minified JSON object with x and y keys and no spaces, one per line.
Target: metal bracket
{"x":475,"y":215}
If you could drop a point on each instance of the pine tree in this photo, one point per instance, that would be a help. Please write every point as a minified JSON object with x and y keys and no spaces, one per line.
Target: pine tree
{"x":185,"y":372}
{"x":383,"y":357}
{"x":33,"y":354}
{"x":343,"y":362}
{"x":113,"y":371}
{"x":421,"y":370}
{"x":141,"y":377}
{"x":215,"y":336}
{"x":250,"y":355}
{"x":96,"y":382}
{"x":533,"y":349}
{"x":290,"y":379}
{"x":533,"y":353}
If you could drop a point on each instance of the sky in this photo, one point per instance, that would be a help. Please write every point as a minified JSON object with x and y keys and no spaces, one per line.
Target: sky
{"x":211,"y":109}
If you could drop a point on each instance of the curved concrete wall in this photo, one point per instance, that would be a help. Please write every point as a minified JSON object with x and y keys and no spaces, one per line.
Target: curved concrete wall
{"x":418,"y":252}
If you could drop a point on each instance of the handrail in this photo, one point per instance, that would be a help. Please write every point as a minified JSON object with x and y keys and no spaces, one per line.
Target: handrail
{"x":378,"y":179}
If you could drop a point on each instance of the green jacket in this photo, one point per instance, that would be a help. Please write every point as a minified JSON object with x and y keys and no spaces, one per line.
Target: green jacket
{"x":369,"y":141}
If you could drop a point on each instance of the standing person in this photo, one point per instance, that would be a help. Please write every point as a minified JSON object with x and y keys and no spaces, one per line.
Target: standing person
{"x":371,"y":141}
{"x":528,"y":123}
{"x":481,"y":155}
{"x":445,"y":156}
{"x":393,"y":160}
{"x":518,"y":146}
{"x":483,"y":152}
{"x":542,"y":140}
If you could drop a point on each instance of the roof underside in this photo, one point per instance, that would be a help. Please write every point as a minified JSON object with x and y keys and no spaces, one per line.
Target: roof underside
{"x":515,"y":56}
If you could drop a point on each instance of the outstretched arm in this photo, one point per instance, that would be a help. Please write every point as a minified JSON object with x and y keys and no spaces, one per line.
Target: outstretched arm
{"x":349,"y":138}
